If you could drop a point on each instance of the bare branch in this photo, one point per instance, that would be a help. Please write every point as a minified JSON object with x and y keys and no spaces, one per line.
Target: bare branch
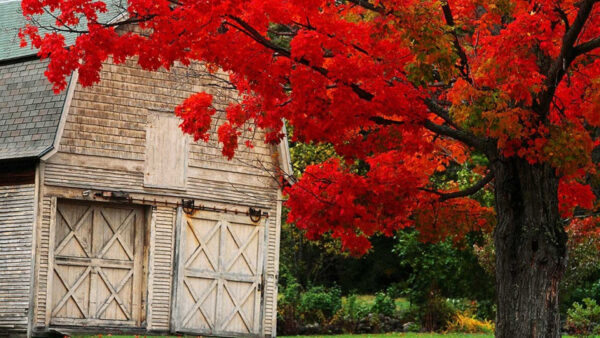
{"x":459,"y":135}
{"x":587,"y":47}
{"x":367,"y":5}
{"x":464,"y":61}
{"x":563,"y":16}
{"x":463,"y":193}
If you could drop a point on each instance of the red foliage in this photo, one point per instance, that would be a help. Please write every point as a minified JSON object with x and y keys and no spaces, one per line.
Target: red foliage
{"x":406,"y":87}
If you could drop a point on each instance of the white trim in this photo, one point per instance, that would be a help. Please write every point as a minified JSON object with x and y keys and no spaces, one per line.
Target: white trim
{"x":63,"y":116}
{"x":285,"y":159}
{"x":34,"y":250}
{"x":122,"y":16}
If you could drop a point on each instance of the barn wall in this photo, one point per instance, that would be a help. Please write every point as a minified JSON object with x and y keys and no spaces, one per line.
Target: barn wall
{"x":161,"y":272}
{"x":16,"y":236}
{"x":103,"y":147}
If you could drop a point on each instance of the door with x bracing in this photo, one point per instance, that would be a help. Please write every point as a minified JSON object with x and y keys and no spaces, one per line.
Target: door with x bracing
{"x":220,"y":274}
{"x":98,"y":265}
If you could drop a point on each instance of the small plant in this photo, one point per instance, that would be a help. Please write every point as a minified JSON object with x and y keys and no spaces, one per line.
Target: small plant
{"x":352,"y":312}
{"x":318,"y":304}
{"x":288,"y":302}
{"x":353,"y":309}
{"x":465,"y":323}
{"x":584,"y":320}
{"x":384,"y":305}
{"x":412,"y":327}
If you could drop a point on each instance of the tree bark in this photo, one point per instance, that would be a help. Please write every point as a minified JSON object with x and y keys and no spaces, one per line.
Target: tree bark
{"x":531,"y":252}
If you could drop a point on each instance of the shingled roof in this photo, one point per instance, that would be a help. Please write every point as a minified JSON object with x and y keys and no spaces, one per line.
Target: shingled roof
{"x":30,"y":112}
{"x":11,"y":19}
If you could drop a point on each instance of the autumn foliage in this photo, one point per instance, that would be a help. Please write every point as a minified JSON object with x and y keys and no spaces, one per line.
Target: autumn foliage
{"x":403,"y":89}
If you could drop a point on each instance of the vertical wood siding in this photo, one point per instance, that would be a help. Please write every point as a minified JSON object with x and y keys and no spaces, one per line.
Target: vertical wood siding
{"x":161,"y":270}
{"x":16,"y":234}
{"x":272,"y":263}
{"x":43,"y":263}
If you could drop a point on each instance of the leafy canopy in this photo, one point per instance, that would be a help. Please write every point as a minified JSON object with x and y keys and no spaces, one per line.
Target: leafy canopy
{"x":402,"y":89}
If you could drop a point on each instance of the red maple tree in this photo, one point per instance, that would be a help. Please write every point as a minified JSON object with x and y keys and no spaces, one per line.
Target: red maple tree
{"x":406,"y":88}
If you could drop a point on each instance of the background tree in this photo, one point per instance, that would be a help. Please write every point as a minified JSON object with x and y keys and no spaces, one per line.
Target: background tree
{"x":404,"y":88}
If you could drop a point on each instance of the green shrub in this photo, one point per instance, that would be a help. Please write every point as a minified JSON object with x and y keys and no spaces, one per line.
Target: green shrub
{"x":287,"y":305}
{"x":436,"y":313}
{"x":318,"y":304}
{"x":413,"y":327}
{"x":384,"y":305}
{"x":584,"y":320}
{"x":353,"y":311}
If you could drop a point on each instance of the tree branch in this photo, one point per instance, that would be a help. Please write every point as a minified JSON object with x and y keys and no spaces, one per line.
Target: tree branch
{"x":459,"y":135}
{"x":567,"y":54}
{"x":587,"y":47}
{"x":438,"y":110}
{"x":444,"y":130}
{"x":464,"y":61}
{"x":463,"y":193}
{"x":563,"y":16}
{"x":367,"y":5}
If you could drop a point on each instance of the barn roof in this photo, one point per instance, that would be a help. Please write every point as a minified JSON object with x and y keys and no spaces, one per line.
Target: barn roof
{"x":29,"y":110}
{"x":11,"y":19}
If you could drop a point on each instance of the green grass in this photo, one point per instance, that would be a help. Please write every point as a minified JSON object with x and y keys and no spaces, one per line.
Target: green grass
{"x":403,"y":335}
{"x":382,"y":335}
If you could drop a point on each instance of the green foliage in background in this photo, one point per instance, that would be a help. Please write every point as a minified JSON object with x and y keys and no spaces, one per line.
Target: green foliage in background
{"x":318,"y":304}
{"x":584,"y":319}
{"x":438,"y":271}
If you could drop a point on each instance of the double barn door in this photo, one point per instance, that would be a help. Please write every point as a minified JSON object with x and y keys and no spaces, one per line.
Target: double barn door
{"x":219,"y":281}
{"x":98,"y":269}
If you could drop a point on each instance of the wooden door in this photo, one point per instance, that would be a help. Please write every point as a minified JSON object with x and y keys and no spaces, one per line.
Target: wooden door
{"x":220,"y":273}
{"x":97,"y":269}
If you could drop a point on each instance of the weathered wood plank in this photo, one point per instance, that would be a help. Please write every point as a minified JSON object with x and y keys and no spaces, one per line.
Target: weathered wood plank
{"x":161,"y":264}
{"x":16,"y":241}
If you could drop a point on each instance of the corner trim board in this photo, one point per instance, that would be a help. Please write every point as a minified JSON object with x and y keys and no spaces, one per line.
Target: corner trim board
{"x":63,"y":117}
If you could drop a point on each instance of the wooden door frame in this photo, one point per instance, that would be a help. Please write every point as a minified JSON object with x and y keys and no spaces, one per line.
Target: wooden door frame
{"x":146,"y":213}
{"x":179,"y":274}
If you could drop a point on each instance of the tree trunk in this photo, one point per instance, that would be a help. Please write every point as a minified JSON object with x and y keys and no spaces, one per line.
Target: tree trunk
{"x":531,"y":253}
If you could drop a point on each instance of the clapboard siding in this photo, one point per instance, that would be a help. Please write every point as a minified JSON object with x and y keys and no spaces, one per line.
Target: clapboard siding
{"x":85,"y":177}
{"x":161,"y":267}
{"x":16,"y":234}
{"x":110,"y":119}
{"x":43,"y":260}
{"x":113,"y":114}
{"x":223,"y":191}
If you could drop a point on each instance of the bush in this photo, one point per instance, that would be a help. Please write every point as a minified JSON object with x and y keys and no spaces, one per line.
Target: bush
{"x":351,"y":314}
{"x":384,"y":305}
{"x":584,"y":319}
{"x":465,"y":323}
{"x":287,"y":304}
{"x":318,"y":304}
{"x":354,"y":309}
{"x":436,"y":313}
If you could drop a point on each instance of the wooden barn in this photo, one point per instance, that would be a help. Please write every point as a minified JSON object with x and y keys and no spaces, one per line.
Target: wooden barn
{"x":112,"y":220}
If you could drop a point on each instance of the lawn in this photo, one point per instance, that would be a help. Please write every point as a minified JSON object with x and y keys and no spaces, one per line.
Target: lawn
{"x":403,"y":335}
{"x":383,"y":335}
